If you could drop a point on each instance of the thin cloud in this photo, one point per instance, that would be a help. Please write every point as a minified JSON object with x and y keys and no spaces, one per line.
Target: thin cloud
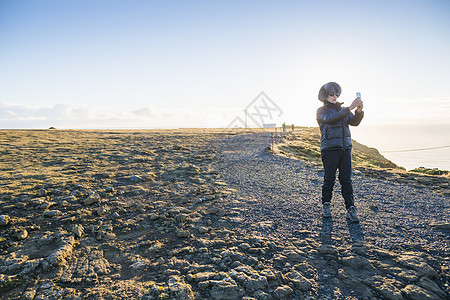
{"x":64,"y":115}
{"x":11,"y":112}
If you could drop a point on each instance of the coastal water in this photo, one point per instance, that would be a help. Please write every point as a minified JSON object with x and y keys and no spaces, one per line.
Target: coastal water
{"x":403,"y":144}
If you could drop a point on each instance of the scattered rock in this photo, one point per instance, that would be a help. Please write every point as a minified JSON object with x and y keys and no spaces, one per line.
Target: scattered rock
{"x":52,"y":213}
{"x":138,"y":265}
{"x":100,"y":210}
{"x":357,"y":262}
{"x":203,"y":229}
{"x":161,"y":261}
{"x":225,"y":289}
{"x":28,"y":294}
{"x":4,"y":220}
{"x":213,"y":210}
{"x":180,"y":289}
{"x":203,"y":276}
{"x":282,"y":292}
{"x":299,"y":281}
{"x":58,"y":256}
{"x":135,"y":178}
{"x":42,"y":192}
{"x":78,"y":230}
{"x":210,"y":197}
{"x":327,"y":249}
{"x":93,"y":198}
{"x":22,"y":235}
{"x":88,"y":267}
{"x":183,"y":233}
{"x":255,"y":282}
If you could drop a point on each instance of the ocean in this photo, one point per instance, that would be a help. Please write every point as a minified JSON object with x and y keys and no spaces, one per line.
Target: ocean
{"x":403,"y":144}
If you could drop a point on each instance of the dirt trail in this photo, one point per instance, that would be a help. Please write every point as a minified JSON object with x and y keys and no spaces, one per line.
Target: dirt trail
{"x":280,"y":198}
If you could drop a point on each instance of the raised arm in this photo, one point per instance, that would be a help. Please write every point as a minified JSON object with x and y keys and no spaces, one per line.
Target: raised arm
{"x":324,"y":116}
{"x":356,"y":118}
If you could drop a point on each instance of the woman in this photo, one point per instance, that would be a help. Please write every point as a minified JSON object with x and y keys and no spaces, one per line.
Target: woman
{"x":336,"y":145}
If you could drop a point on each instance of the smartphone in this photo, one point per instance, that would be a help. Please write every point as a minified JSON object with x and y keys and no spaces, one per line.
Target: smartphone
{"x":358,"y":95}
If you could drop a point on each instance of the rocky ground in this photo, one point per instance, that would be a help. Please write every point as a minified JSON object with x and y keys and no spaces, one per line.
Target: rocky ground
{"x":204,"y":214}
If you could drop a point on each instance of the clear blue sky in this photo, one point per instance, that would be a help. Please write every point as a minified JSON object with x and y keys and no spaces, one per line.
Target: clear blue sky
{"x":153,"y":64}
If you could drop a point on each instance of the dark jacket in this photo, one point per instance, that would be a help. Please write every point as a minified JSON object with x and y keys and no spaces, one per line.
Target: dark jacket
{"x":333,"y":121}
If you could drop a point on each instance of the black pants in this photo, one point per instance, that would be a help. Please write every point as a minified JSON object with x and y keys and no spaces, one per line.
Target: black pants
{"x":333,"y":160}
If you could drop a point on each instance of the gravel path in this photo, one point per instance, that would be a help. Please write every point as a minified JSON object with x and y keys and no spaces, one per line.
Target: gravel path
{"x":280,"y":198}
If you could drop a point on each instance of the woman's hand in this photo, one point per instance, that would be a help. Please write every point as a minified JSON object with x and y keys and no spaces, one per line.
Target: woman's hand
{"x":355,"y":103}
{"x":360,"y":107}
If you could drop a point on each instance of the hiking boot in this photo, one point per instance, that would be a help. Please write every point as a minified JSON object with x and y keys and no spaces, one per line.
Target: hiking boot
{"x":351,"y":215}
{"x":326,"y":210}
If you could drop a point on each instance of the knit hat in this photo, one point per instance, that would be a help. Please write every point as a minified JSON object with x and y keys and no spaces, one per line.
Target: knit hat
{"x":330,"y":87}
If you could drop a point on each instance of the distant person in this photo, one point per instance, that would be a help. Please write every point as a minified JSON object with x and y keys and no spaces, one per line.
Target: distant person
{"x":284,"y":127}
{"x":336,"y":145}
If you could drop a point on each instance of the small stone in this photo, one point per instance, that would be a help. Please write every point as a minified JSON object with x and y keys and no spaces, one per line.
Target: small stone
{"x":28,"y":295}
{"x":52,"y":213}
{"x":174,"y":211}
{"x":213,"y":210}
{"x":4,"y":220}
{"x":93,"y":198}
{"x":203,"y":285}
{"x":22,"y":235}
{"x":116,"y":215}
{"x":203,"y":229}
{"x":100,"y":210}
{"x":180,"y":288}
{"x":78,"y":230}
{"x":225,"y":289}
{"x":244,"y":246}
{"x":262,"y":295}
{"x":161,"y":261}
{"x":138,"y":264}
{"x":183,"y":233}
{"x":42,"y":192}
{"x":255,"y":283}
{"x":64,"y":203}
{"x":221,"y":213}
{"x":153,"y":216}
{"x":190,"y":277}
{"x":327,"y":249}
{"x":135,"y":178}
{"x":282,"y":292}
{"x":299,"y":281}
{"x":269,"y":274}
{"x":21,"y":205}
{"x":203,"y":276}
{"x":46,"y":205}
{"x":357,"y":262}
